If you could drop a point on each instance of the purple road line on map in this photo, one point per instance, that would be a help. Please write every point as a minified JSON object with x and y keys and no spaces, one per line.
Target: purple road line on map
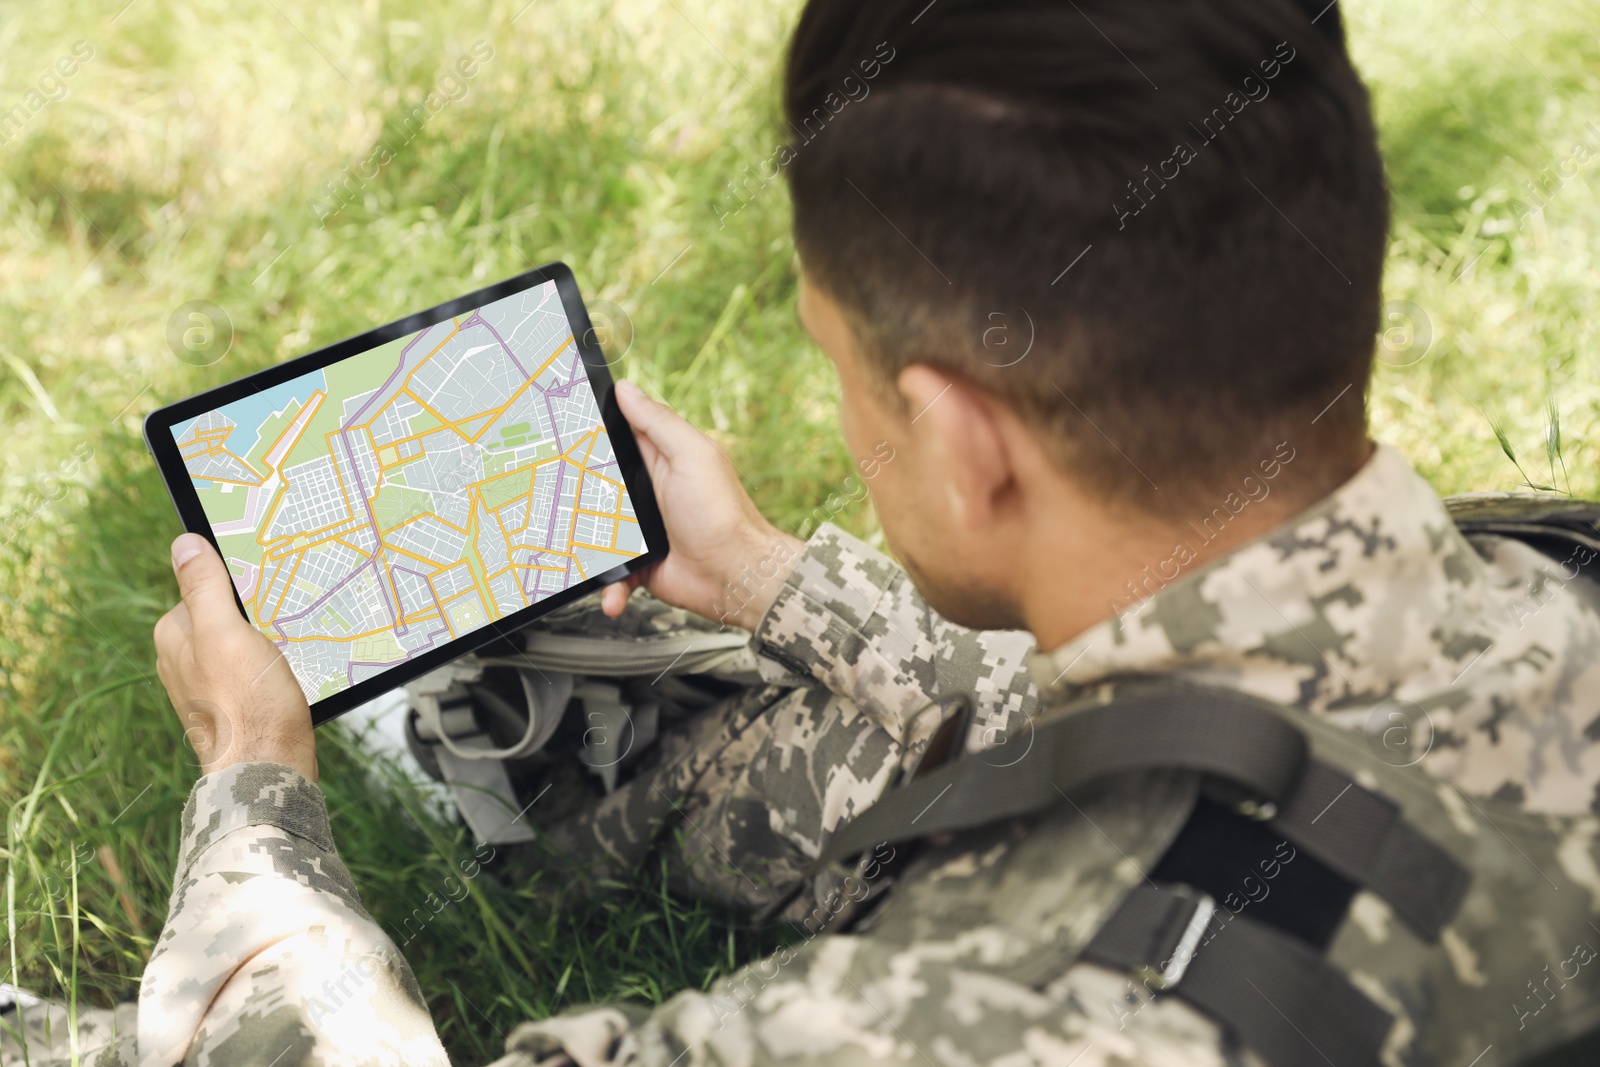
{"x":555,"y":503}
{"x":395,"y":613}
{"x":535,"y":559}
{"x":399,"y":366}
{"x":552,"y":412}
{"x":564,"y":390}
{"x":355,"y":470}
{"x":417,"y":574}
{"x":372,"y":523}
{"x":346,"y":580}
{"x":478,"y":318}
{"x":355,"y":473}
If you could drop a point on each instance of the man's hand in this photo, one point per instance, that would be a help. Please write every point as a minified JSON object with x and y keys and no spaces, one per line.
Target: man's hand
{"x":727,"y":562}
{"x":233,"y":690}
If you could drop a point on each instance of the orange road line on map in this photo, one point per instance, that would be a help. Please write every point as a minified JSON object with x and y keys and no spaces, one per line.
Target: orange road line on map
{"x":350,"y":544}
{"x":302,"y":419}
{"x":405,"y":386}
{"x":331,"y":536}
{"x":272,"y":510}
{"x":443,"y":422}
{"x":567,"y":455}
{"x":601,"y":514}
{"x":491,"y":610}
{"x":535,"y":567}
{"x":313,"y":533}
{"x":546,"y":364}
{"x":497,"y":521}
{"x":442,"y":521}
{"x":453,"y":597}
{"x":438,"y":567}
{"x":398,"y":441}
{"x":603,"y":478}
{"x":494,"y":413}
{"x":434,"y":515}
{"x":372,"y":442}
{"x":265,"y":587}
{"x":342,"y":638}
{"x":344,"y":491}
{"x":594,"y":548}
{"x":491,"y":606}
{"x":542,"y":552}
{"x":448,"y":569}
{"x":577,"y":493}
{"x":489,"y":416}
{"x":524,"y":471}
{"x":298,"y":559}
{"x":384,"y":468}
{"x":231,"y":481}
{"x":404,"y":522}
{"x":444,"y":616}
{"x":572,"y":528}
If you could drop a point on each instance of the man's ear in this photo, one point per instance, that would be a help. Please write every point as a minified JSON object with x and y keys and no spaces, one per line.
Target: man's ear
{"x":955,"y":425}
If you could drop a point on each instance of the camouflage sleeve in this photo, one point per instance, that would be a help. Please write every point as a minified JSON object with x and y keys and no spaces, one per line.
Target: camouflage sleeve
{"x":969,"y":962}
{"x":268,"y":956}
{"x":849,"y":617}
{"x":845,"y":1002}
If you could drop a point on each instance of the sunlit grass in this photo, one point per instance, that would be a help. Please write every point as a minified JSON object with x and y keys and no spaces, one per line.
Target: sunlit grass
{"x":182,"y":165}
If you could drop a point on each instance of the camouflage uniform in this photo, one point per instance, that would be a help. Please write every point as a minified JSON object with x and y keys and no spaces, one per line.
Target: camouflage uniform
{"x":1370,"y":598}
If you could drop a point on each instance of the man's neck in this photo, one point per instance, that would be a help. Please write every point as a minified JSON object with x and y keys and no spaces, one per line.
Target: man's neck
{"x":1097,"y":563}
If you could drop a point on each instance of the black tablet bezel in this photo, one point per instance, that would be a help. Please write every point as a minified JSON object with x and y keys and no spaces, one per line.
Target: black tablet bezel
{"x":159,"y":440}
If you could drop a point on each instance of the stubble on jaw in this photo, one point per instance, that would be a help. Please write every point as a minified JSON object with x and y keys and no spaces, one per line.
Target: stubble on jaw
{"x":961,"y":602}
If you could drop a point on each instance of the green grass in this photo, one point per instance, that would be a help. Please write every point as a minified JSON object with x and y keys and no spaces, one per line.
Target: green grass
{"x":182,"y":166}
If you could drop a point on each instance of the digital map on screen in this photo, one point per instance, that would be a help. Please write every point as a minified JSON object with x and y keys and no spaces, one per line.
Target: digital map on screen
{"x":382,"y":506}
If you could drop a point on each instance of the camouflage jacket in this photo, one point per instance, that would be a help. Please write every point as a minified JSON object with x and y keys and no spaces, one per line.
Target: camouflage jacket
{"x":1369,"y":597}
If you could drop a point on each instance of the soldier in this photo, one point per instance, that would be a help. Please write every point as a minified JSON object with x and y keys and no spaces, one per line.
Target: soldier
{"x":1356,"y":770}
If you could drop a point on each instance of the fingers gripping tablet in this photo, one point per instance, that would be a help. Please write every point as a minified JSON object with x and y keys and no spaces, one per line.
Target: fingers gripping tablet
{"x":392,"y":501}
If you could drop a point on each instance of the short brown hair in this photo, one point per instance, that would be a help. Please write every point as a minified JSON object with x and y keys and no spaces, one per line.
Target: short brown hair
{"x":1180,"y":201}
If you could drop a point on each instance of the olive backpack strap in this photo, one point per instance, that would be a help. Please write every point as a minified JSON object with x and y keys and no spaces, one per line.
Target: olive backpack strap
{"x":1249,"y":744}
{"x":1262,"y":759}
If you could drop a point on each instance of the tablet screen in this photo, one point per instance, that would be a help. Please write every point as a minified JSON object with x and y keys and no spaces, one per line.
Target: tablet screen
{"x":398,"y":499}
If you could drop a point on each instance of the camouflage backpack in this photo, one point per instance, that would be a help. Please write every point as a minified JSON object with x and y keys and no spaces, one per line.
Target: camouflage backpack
{"x":1459,"y":940}
{"x":578,"y":700}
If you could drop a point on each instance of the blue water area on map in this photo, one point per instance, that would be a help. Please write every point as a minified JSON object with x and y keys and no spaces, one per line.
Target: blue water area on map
{"x":248,"y":414}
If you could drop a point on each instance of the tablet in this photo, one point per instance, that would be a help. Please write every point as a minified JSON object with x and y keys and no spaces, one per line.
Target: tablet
{"x":394,"y":500}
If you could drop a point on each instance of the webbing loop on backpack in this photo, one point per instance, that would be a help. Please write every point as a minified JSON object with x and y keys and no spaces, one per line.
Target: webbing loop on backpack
{"x":1363,"y":836}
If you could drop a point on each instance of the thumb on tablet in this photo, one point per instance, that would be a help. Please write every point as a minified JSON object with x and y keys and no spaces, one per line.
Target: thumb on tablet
{"x":204,"y":582}
{"x":667,"y":430}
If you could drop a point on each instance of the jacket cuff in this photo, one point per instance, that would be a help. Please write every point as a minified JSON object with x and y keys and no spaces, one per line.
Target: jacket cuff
{"x":848,"y":618}
{"x":251,"y":794}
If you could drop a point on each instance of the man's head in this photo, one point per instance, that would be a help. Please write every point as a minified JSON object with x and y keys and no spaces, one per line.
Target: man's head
{"x":1140,"y":241}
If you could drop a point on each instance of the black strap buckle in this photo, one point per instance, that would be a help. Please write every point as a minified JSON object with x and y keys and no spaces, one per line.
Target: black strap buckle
{"x":1187,"y":944}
